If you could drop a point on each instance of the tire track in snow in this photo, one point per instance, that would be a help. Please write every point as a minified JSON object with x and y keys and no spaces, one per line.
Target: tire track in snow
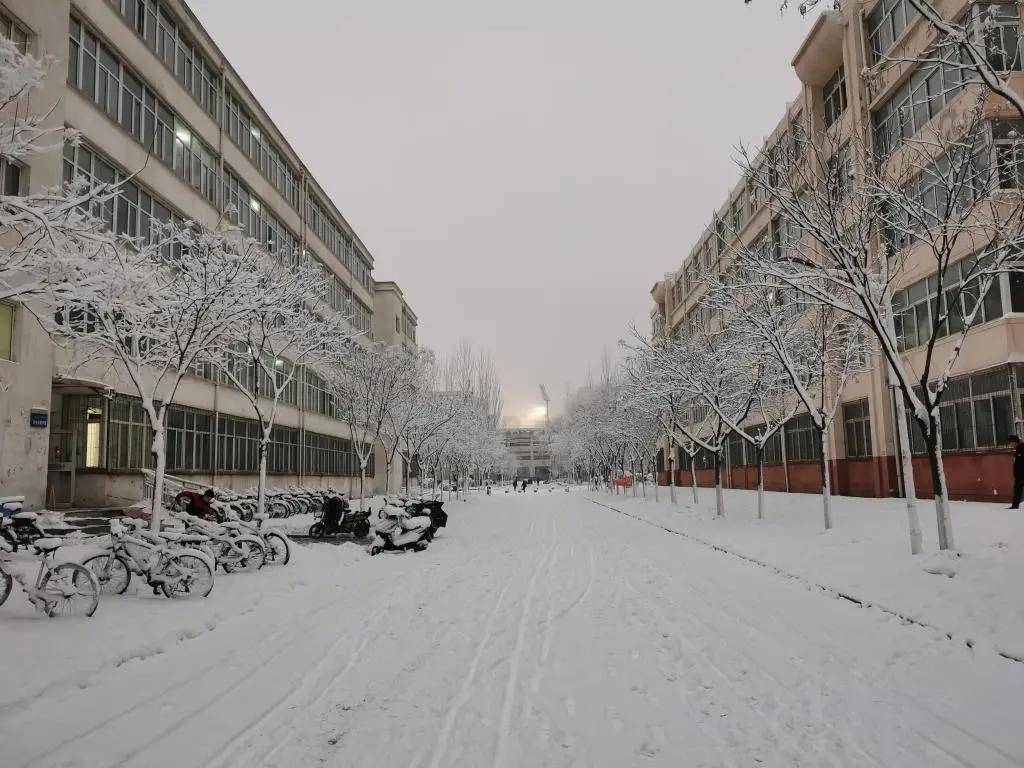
{"x":445,"y":733}
{"x":505,"y":728}
{"x":293,"y":631}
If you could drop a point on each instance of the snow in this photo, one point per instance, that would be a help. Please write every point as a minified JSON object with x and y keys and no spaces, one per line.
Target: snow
{"x":538,"y":630}
{"x":973,"y":593}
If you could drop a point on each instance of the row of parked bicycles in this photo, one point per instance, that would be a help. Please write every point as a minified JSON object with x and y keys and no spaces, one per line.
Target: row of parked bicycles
{"x":280,"y":502}
{"x":178,"y":561}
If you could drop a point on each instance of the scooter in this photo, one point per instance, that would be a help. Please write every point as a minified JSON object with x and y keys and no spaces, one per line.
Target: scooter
{"x":433,"y":508}
{"x":18,"y":529}
{"x":400,"y":528}
{"x":338,"y":519}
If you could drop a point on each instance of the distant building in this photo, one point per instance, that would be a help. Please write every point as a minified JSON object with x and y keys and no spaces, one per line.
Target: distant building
{"x":531,"y":447}
{"x":394,"y":322}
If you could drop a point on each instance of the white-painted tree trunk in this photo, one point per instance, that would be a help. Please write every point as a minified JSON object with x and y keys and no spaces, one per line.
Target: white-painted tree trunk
{"x":906,"y":461}
{"x":719,"y":494}
{"x":826,"y":482}
{"x":261,"y":483}
{"x":693,"y":478}
{"x":943,"y":519}
{"x":760,"y":484}
{"x":159,"y":450}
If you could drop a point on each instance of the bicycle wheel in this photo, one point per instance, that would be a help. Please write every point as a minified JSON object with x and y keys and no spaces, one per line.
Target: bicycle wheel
{"x":70,"y":589}
{"x":111,"y":572}
{"x":251,"y":556}
{"x":6,"y":582}
{"x":279,"y":550}
{"x":192,"y":576}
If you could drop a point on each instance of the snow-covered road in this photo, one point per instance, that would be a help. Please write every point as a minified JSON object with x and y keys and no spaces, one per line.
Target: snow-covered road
{"x":537,"y":630}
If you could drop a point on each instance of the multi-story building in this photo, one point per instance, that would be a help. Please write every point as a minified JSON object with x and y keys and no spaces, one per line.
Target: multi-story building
{"x":394,"y":322}
{"x":531,"y":448}
{"x":984,"y":401}
{"x":159,"y":107}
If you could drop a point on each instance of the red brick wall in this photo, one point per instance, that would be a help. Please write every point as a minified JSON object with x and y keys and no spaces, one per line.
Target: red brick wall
{"x":970,"y":476}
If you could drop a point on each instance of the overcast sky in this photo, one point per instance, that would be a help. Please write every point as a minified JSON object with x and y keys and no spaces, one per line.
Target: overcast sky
{"x":525,"y":169}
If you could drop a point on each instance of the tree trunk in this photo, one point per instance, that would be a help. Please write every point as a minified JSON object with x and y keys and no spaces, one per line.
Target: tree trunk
{"x":826,"y":480}
{"x":942,"y":517}
{"x":159,"y":451}
{"x":906,"y":459}
{"x":760,"y":481}
{"x":261,"y":483}
{"x":693,"y":477}
{"x":671,"y":482}
{"x":362,"y":483}
{"x":719,"y":495}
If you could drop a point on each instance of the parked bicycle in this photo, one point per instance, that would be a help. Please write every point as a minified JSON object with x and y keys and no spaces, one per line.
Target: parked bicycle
{"x":64,"y":589}
{"x":234,"y":548}
{"x":18,"y":528}
{"x":176,"y":572}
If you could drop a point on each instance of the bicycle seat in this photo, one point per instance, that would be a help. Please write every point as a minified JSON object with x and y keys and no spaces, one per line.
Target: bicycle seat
{"x":48,"y":543}
{"x":262,"y":516}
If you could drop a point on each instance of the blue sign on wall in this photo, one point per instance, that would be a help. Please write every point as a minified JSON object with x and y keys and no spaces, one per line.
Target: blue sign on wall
{"x":39,"y":418}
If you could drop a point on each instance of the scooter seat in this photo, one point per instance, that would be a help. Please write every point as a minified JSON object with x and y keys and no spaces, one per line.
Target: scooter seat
{"x":25,"y":517}
{"x":12,"y":499}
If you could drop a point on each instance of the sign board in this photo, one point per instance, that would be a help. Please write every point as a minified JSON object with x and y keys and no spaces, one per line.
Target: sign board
{"x":39,"y":418}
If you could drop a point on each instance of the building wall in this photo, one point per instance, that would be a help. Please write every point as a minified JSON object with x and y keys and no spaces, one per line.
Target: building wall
{"x":25,"y":382}
{"x":840,"y":38}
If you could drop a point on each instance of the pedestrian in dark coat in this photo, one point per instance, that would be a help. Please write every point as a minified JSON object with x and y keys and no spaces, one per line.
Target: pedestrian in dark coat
{"x":1018,"y":470}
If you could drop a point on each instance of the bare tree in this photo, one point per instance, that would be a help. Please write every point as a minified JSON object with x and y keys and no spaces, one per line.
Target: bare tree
{"x":148,"y":315}
{"x":288,"y":329}
{"x":948,"y":200}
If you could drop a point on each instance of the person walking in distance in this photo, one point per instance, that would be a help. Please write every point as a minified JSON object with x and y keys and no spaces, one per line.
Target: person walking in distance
{"x":1018,"y":470}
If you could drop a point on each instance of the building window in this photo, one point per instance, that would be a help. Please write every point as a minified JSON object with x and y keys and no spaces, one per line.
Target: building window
{"x":1008,"y":147}
{"x":925,"y":93}
{"x":803,"y":442}
{"x":6,"y":331}
{"x":238,"y":443}
{"x":834,"y":96}
{"x":135,"y":212}
{"x":976,"y":413}
{"x":14,"y":32}
{"x":282,"y":453}
{"x":840,"y":173}
{"x":857,"y":428}
{"x":918,"y":305}
{"x":998,"y":26}
{"x":130,"y":437}
{"x":159,"y":30}
{"x":886,"y":23}
{"x":11,"y":177}
{"x":99,"y":74}
{"x":247,"y":135}
{"x":189,"y":440}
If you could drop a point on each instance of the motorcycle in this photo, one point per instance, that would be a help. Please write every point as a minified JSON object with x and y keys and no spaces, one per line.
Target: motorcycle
{"x":337,"y":518}
{"x":17,"y":528}
{"x":401,"y":528}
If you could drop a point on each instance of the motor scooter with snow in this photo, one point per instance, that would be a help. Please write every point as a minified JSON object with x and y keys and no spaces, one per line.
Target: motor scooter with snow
{"x":338,"y":519}
{"x":400,"y":528}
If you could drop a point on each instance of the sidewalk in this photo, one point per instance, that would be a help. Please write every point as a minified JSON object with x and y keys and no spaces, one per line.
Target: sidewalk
{"x":973,"y":595}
